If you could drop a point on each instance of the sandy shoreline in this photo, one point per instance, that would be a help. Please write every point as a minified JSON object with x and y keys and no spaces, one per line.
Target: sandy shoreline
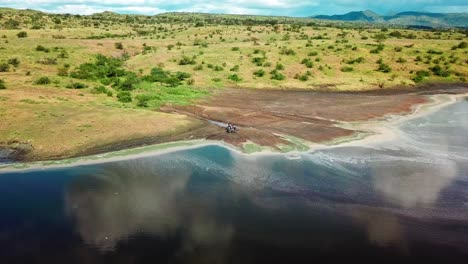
{"x":378,"y":131}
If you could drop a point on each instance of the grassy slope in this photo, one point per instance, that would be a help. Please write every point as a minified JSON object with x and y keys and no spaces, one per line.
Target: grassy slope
{"x":61,"y":121}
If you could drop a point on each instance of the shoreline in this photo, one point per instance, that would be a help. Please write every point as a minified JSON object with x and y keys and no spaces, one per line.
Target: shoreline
{"x":385,"y":129}
{"x":377,"y":130}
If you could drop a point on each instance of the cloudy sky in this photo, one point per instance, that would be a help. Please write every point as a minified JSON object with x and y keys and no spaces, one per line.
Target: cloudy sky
{"x":256,"y":7}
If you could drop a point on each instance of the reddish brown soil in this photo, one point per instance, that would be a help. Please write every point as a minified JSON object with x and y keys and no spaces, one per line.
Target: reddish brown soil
{"x":313,"y":116}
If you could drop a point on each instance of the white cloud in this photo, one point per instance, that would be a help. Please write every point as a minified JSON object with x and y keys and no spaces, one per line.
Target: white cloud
{"x":448,"y":9}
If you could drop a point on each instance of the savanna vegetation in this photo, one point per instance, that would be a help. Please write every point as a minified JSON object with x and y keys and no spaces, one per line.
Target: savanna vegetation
{"x":135,"y":64}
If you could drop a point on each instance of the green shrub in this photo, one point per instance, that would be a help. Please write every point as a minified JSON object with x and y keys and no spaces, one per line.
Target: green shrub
{"x":378,"y":49}
{"x":4,"y":67}
{"x":166,"y":77}
{"x":200,"y":42}
{"x":279,"y":67}
{"x":106,"y":81}
{"x":22,"y":34}
{"x":182,"y":75}
{"x":354,"y":61}
{"x":463,"y":45}
{"x":118,"y":45}
{"x":276,"y":75}
{"x":235,"y":68}
{"x":396,"y":34}
{"x":286,"y":51}
{"x":302,"y":77}
{"x":62,"y":71}
{"x":436,"y":52}
{"x":234,"y":77}
{"x":198,"y":67}
{"x":101,"y":90}
{"x":128,"y":83}
{"x":102,"y":67}
{"x":2,"y":84}
{"x":312,"y":53}
{"x":143,"y":100}
{"x":187,"y":61}
{"x":437,"y":70}
{"x":380,"y":37}
{"x":235,"y":49}
{"x":76,"y":85}
{"x":258,"y":61}
{"x":42,"y":48}
{"x":124,"y":97}
{"x":63,"y":54}
{"x":420,"y":76}
{"x":259,"y":73}
{"x":384,"y":68}
{"x":14,"y":61}
{"x":401,"y":60}
{"x":308,"y":63}
{"x":347,"y":69}
{"x":218,"y":68}
{"x":43,"y":80}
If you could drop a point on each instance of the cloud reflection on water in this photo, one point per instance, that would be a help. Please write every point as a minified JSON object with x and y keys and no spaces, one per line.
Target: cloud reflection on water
{"x":411,"y":184}
{"x":132,"y":198}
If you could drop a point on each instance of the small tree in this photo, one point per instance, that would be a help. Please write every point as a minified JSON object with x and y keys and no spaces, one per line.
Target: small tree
{"x":2,"y":84}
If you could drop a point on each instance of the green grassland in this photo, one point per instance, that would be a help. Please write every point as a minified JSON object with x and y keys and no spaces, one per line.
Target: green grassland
{"x":103,"y":63}
{"x":310,"y":55}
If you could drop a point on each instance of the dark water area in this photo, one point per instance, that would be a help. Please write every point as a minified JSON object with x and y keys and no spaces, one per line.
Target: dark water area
{"x":404,"y":200}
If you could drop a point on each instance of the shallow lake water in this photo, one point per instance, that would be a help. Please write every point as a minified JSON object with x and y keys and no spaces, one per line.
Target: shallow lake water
{"x":402,"y":200}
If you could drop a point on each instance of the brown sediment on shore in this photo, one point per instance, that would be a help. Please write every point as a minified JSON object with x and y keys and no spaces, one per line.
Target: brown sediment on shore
{"x":264,"y":115}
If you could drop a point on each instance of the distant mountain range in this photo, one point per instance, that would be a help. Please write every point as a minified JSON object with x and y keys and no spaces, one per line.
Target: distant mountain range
{"x":410,"y":18}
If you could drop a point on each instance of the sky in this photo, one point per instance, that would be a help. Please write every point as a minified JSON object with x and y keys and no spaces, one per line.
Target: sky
{"x":297,"y":8}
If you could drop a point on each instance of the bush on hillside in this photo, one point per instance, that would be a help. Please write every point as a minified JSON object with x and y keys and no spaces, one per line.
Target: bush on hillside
{"x":124,"y":97}
{"x":43,"y":80}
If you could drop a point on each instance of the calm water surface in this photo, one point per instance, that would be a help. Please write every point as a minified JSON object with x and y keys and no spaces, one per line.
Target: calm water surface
{"x":403,"y":200}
